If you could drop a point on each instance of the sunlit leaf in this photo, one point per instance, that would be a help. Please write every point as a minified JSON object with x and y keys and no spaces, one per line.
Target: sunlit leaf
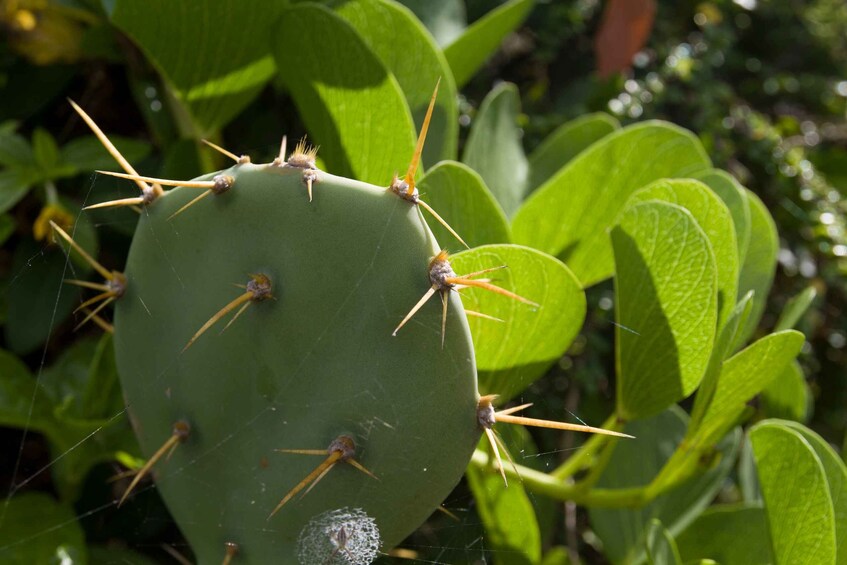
{"x":565,"y":143}
{"x":418,"y":66}
{"x":798,"y":504}
{"x":714,"y":218}
{"x":511,"y":354}
{"x":787,"y":396}
{"x":199,"y":48}
{"x":460,"y":196}
{"x":494,"y":147}
{"x":570,"y":214}
{"x":354,"y":108}
{"x":759,"y":266}
{"x":666,"y":297}
{"x":735,"y":198}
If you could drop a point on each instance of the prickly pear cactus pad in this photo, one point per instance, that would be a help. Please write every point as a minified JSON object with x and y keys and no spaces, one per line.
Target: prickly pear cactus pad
{"x":306,"y":388}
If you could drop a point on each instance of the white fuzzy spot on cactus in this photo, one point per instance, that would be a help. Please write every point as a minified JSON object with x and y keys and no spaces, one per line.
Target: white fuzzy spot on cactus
{"x":342,"y":537}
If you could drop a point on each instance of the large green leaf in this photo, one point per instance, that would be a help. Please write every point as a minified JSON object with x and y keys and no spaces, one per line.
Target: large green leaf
{"x":417,"y":67}
{"x":661,"y":547}
{"x":714,"y":218}
{"x":569,"y":139}
{"x":34,"y":528}
{"x":735,"y":198}
{"x":494,"y":147}
{"x":742,"y":377}
{"x":787,"y":396}
{"x":354,"y":108}
{"x":666,"y":297}
{"x":570,"y":214}
{"x":470,"y":50}
{"x":213,"y":54}
{"x":728,"y":533}
{"x":511,"y":525}
{"x":836,"y":477}
{"x":513,"y":353}
{"x":798,"y":504}
{"x":445,"y":19}
{"x":636,"y":463}
{"x":759,"y":265}
{"x":459,"y":195}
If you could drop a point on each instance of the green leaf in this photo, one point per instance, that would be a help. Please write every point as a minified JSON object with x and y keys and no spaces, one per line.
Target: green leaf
{"x":742,"y":377}
{"x":728,"y":533}
{"x":561,"y":146}
{"x":45,"y":150}
{"x":199,"y":48}
{"x":511,"y":354}
{"x":468,"y":52}
{"x":836,"y":477}
{"x":459,"y":195}
{"x":735,"y":197}
{"x":13,"y":187}
{"x":354,"y":108}
{"x":417,"y":67}
{"x":21,"y":406}
{"x":759,"y":265}
{"x":661,"y":547}
{"x":15,"y":152}
{"x":666,"y":297}
{"x":787,"y":396}
{"x":37,"y":529}
{"x":795,"y":308}
{"x":445,"y":19}
{"x":511,"y":526}
{"x":88,"y":154}
{"x":798,"y":504}
{"x":38,"y":299}
{"x":7,"y":227}
{"x":569,"y":216}
{"x":714,"y":218}
{"x":724,"y":346}
{"x":635,"y":463}
{"x":494,"y":147}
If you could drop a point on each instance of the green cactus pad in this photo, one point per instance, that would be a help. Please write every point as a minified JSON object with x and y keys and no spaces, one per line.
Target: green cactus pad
{"x":296,"y":371}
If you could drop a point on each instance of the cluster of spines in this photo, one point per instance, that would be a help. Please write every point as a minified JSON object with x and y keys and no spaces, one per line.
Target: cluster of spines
{"x":440,"y":274}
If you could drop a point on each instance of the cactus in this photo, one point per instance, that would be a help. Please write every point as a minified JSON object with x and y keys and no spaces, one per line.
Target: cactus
{"x":331,"y":267}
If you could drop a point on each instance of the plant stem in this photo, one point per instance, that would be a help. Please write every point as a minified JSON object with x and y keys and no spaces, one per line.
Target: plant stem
{"x":582,"y":458}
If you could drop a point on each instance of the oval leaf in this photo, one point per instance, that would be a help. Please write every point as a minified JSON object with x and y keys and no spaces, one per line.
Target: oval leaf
{"x":759,"y":265}
{"x":494,"y":147}
{"x":570,"y":214}
{"x":569,"y":140}
{"x":836,"y":477}
{"x":787,"y":396}
{"x":417,"y":67}
{"x":735,"y":198}
{"x":666,"y":296}
{"x":728,"y":533}
{"x":354,"y":107}
{"x":742,"y":377}
{"x":796,"y":493}
{"x":511,"y":354}
{"x":714,"y":218}
{"x":200,"y":50}
{"x":460,"y":196}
